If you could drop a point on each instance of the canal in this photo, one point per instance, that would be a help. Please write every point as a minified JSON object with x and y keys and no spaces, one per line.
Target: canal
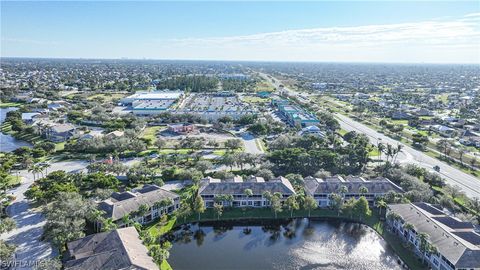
{"x":295,"y":244}
{"x":7,"y":142}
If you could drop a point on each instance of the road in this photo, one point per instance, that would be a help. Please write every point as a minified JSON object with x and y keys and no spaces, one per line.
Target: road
{"x":466,"y":182}
{"x":251,"y":145}
{"x":27,"y":235}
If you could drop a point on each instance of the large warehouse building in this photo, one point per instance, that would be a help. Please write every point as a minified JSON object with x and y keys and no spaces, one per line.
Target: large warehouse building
{"x":148,"y":103}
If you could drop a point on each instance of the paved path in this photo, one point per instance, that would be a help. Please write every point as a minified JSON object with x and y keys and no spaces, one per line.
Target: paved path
{"x":30,"y":221}
{"x":468,"y":183}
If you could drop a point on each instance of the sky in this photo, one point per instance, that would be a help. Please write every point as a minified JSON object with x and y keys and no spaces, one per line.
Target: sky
{"x":382,"y":31}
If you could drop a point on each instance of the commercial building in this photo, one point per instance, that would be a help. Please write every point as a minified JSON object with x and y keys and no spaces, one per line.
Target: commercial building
{"x":122,"y":204}
{"x":349,"y":187}
{"x":118,"y":249}
{"x":150,"y":103}
{"x":211,"y":188}
{"x":294,"y":115}
{"x":449,"y":243}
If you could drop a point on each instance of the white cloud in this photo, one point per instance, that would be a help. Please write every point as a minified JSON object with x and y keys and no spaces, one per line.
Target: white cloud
{"x":455,"y":40}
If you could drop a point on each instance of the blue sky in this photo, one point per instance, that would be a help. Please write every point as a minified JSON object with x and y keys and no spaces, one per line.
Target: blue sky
{"x":272,"y":31}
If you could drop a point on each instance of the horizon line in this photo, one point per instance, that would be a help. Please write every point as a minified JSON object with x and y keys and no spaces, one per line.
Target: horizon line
{"x":231,"y":60}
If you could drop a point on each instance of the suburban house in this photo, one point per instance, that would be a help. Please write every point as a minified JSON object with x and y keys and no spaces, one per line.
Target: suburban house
{"x":181,"y":128}
{"x":211,"y":188}
{"x":114,"y":134}
{"x":444,"y":131}
{"x":454,"y":243}
{"x":355,"y":187}
{"x":128,"y":203}
{"x":118,"y":249}
{"x":59,"y":132}
{"x":28,"y":118}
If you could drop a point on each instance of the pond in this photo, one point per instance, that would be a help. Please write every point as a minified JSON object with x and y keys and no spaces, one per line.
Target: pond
{"x":7,"y":142}
{"x":295,"y":244}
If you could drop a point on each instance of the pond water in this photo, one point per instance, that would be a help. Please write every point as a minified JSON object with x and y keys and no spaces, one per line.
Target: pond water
{"x":296,"y":244}
{"x":7,"y":142}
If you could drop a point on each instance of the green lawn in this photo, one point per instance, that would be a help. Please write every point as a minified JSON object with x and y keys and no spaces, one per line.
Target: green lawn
{"x":151,"y":132}
{"x":9,"y":104}
{"x":253,"y":99}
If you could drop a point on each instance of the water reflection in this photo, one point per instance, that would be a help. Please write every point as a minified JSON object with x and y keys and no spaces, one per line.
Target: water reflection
{"x":7,"y":142}
{"x":296,"y":244}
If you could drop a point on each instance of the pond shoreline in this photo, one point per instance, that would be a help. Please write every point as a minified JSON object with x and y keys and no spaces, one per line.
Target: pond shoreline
{"x":264,"y":215}
{"x":338,"y":232}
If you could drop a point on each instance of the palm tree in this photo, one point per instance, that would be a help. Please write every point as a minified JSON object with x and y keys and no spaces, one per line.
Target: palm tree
{"x":363,"y":190}
{"x":381,"y":148}
{"x":248,"y":193}
{"x":397,"y":151}
{"x":423,"y":238}
{"x":342,"y":190}
{"x":45,"y":166}
{"x":291,"y":204}
{"x":218,"y":208}
{"x":461,"y":151}
{"x":381,"y":204}
{"x":310,"y":204}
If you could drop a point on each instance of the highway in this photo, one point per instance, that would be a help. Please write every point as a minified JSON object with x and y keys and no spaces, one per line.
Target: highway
{"x":466,"y":182}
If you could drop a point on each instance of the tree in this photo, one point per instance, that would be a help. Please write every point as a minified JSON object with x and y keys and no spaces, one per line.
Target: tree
{"x":381,"y":204}
{"x":7,"y":224}
{"x":363,"y":190}
{"x":310,"y":204}
{"x":218,"y":208}
{"x":335,"y":202}
{"x":248,"y":193}
{"x":203,"y":166}
{"x":159,"y":254}
{"x":66,"y":218}
{"x":160,"y":143}
{"x":265,"y":174}
{"x":291,"y":204}
{"x":6,"y":251}
{"x":184,"y":211}
{"x":361,"y":208}
{"x":276,"y":203}
{"x":199,"y":206}
{"x":143,"y":209}
{"x":445,"y":146}
{"x":423,"y":238}
{"x":233,"y":144}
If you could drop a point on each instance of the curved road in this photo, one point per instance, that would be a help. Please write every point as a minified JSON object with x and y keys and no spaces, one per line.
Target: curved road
{"x":468,"y":183}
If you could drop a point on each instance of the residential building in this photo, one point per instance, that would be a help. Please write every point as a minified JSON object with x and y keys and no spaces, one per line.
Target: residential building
{"x":122,"y":204}
{"x":211,"y":188}
{"x":28,"y":118}
{"x":59,"y":132}
{"x":356,"y":187}
{"x":454,"y":243}
{"x":118,"y":249}
{"x":182,"y":128}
